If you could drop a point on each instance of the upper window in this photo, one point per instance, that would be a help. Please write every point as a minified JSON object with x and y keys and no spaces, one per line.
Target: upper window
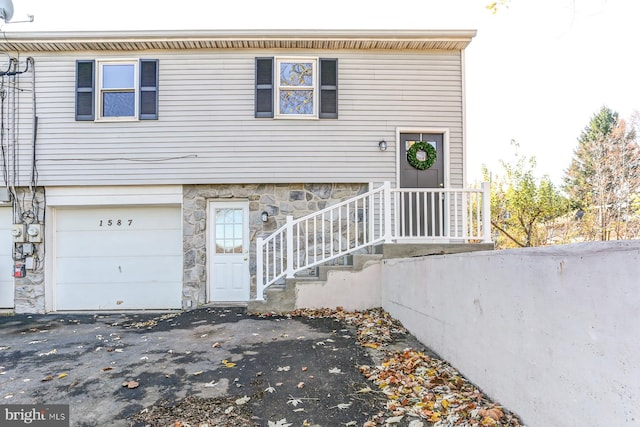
{"x":296,"y":88}
{"x":117,"y":90}
{"x":117,"y":85}
{"x":302,"y":88}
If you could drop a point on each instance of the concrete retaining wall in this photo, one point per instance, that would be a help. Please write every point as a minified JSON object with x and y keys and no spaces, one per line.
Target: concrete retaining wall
{"x":551,"y":333}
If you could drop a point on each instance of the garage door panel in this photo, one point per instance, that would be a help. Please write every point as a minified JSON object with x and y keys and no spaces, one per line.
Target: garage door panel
{"x":118,"y":258}
{"x":112,"y":269}
{"x":121,"y":297}
{"x":123,"y":243}
{"x":112,"y":218}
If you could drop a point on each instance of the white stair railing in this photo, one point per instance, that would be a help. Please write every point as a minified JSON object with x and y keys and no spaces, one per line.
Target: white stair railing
{"x":379,"y":215}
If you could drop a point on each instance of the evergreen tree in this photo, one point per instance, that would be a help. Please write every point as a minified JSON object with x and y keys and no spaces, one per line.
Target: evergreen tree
{"x":604,"y":174}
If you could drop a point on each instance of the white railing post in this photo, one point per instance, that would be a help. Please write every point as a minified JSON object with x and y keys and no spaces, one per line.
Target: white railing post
{"x":386,"y":192}
{"x":290,"y":263}
{"x":465,"y":200}
{"x":486,"y":212}
{"x":371,"y":214}
{"x":259,"y":270}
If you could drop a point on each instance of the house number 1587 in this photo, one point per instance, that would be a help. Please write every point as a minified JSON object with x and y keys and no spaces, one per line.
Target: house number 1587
{"x":115,"y":222}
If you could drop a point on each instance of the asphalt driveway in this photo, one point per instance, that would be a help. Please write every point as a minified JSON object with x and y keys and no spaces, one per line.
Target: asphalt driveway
{"x":123,"y":369}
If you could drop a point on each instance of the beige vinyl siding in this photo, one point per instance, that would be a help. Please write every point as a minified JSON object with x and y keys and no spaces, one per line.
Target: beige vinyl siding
{"x":207,"y":133}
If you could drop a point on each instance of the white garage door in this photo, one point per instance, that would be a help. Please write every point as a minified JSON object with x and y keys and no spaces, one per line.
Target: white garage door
{"x":118,"y":258}
{"x":6,"y":261}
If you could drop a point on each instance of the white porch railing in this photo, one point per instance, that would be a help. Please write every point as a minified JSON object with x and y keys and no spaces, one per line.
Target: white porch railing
{"x":383,"y":214}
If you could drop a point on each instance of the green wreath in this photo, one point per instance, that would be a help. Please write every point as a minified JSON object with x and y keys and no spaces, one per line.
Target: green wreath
{"x":412,"y":155}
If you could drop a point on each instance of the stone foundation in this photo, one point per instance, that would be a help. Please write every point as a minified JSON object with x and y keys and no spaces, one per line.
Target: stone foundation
{"x":278,"y":200}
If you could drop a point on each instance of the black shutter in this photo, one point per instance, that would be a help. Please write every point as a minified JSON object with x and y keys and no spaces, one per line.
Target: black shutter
{"x":148,"y":89}
{"x":264,"y":87}
{"x":85,"y":92}
{"x":328,"y":88}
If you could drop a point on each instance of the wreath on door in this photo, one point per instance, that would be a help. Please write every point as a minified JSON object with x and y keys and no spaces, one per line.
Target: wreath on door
{"x":426,"y":152}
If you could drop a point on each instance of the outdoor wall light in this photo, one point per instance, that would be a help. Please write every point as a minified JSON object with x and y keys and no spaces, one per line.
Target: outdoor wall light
{"x":382,"y":145}
{"x":265,"y":216}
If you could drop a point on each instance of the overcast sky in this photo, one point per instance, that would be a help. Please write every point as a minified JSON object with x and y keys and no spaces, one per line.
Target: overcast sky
{"x":536,"y":72}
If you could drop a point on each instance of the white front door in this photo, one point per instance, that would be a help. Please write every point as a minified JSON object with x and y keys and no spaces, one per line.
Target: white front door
{"x":6,"y":260}
{"x":229,"y":251}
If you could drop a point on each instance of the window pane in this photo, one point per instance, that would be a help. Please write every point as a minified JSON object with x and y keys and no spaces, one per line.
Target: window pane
{"x":118,"y":104}
{"x":296,"y":102}
{"x":119,"y":76}
{"x":296,"y":73}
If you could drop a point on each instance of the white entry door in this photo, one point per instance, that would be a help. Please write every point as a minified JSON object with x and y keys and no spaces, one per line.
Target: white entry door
{"x":6,"y":259}
{"x":229,"y":251}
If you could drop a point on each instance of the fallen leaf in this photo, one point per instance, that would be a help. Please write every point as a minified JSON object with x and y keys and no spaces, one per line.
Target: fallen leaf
{"x":228,"y":364}
{"x":270,"y":389}
{"x":300,"y":384}
{"x":198,"y":373}
{"x":283,"y":368}
{"x":229,"y":410}
{"x":365,"y":390}
{"x":47,"y":378}
{"x":242,"y":400}
{"x":493,"y":413}
{"x":281,"y":423}
{"x":394,"y":420}
{"x":215,"y":345}
{"x":62,"y":375}
{"x":106,"y":368}
{"x":343,"y":405}
{"x":130,"y":384}
{"x":335,"y":371}
{"x":293,"y":401}
{"x":49,"y":353}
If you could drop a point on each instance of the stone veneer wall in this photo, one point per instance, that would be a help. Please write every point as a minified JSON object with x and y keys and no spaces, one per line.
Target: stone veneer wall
{"x":278,"y":200}
{"x":29,"y":290}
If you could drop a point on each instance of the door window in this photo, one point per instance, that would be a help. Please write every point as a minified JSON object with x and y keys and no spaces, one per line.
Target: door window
{"x":229,"y":231}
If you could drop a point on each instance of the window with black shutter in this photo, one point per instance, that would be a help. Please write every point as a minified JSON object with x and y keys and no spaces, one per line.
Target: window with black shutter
{"x":296,"y":88}
{"x":117,"y":89}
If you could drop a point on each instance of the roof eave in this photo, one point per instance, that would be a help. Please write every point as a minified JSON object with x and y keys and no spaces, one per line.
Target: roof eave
{"x":238,"y":39}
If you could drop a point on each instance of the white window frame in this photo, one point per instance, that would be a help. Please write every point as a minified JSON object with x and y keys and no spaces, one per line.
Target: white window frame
{"x":315,"y":87}
{"x":100,"y":90}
